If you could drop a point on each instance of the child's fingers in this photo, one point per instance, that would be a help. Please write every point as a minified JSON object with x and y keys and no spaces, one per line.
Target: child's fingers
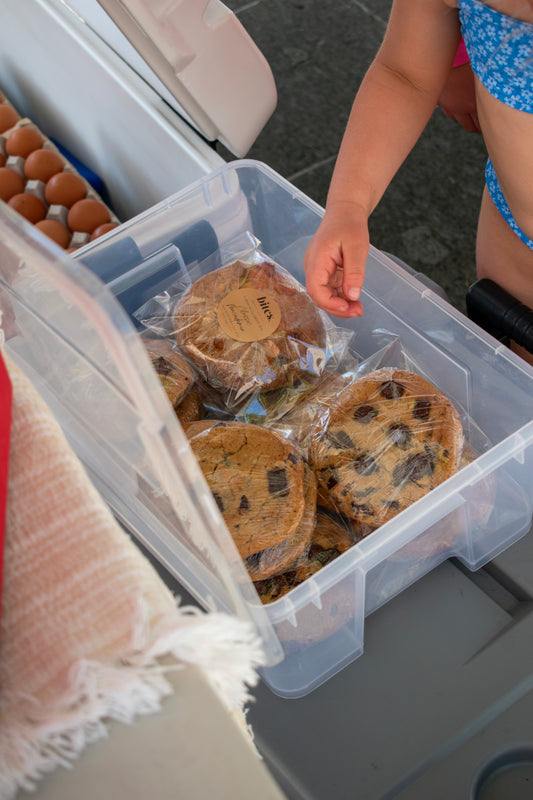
{"x":354,"y":270}
{"x":321,"y":289}
{"x":351,"y":310}
{"x":336,"y":305}
{"x":320,"y":286}
{"x":327,"y":261}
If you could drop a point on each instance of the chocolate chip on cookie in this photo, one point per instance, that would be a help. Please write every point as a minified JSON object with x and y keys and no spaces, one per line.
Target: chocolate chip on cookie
{"x":273,"y":560}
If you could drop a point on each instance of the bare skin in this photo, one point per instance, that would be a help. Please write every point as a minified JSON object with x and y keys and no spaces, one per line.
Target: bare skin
{"x":458,"y":98}
{"x":504,"y":258}
{"x":392,"y":107}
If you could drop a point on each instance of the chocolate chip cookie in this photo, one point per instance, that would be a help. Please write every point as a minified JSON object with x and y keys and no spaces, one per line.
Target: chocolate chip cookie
{"x":257,"y":479}
{"x":196,"y":426}
{"x":191,"y":408}
{"x":274,"y":559}
{"x":390,"y":438}
{"x":248,"y":328}
{"x":177,"y":378}
{"x":174,"y":372}
{"x":330,"y":538}
{"x":451,"y":531}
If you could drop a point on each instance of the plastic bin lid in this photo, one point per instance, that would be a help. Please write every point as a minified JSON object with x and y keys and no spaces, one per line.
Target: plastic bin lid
{"x":198,"y":56}
{"x":74,"y":341}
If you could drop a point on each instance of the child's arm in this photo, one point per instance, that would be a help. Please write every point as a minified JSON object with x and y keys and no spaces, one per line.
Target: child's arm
{"x":393,"y":105}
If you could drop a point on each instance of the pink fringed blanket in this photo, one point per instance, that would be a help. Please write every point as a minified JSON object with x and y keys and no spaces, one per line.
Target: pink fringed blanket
{"x":85,"y":617}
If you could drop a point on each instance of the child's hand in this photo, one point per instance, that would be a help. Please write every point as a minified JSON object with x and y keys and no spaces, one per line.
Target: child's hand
{"x":335,"y":260}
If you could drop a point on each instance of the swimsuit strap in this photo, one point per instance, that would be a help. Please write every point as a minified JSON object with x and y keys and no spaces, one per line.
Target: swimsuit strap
{"x":501,"y":52}
{"x":501,"y":203}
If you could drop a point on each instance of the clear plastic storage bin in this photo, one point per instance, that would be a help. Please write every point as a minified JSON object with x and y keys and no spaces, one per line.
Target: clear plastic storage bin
{"x":68,"y":323}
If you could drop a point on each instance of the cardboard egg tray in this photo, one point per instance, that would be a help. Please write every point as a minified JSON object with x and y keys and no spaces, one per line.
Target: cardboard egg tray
{"x":38,"y":187}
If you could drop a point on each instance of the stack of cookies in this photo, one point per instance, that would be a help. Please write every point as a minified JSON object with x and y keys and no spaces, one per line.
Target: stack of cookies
{"x":389,"y":438}
{"x":367,"y":449}
{"x":177,"y":378}
{"x":267,"y":494}
{"x":249,"y":328}
{"x":264,"y":489}
{"x":330,"y":538}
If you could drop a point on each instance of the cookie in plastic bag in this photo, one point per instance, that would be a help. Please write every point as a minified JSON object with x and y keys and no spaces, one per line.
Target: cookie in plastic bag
{"x":250,"y":327}
{"x":390,"y":438}
{"x":264,"y":490}
{"x":330,"y":539}
{"x":177,"y":378}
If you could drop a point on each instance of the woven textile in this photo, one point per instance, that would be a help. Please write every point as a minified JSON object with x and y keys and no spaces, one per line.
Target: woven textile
{"x":86,"y":620}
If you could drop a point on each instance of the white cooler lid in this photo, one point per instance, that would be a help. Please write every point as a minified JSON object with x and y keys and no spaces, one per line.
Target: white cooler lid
{"x":198,"y":56}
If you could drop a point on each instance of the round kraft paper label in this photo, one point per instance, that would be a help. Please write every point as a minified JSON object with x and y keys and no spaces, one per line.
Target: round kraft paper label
{"x":248,"y":315}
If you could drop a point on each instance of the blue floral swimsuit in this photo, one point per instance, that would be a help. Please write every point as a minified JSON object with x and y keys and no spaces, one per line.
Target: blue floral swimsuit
{"x":500,"y":49}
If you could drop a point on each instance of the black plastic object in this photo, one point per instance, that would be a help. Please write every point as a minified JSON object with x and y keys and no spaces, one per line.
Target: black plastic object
{"x":499,"y":313}
{"x":112,"y":260}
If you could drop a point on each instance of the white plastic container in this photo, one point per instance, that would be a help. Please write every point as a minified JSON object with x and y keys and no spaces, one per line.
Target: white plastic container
{"x":79,"y":345}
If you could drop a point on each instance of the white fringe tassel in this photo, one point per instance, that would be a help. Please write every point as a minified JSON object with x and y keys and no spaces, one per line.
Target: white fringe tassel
{"x":35,"y":739}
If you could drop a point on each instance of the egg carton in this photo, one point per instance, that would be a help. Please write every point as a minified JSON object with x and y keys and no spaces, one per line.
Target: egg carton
{"x":5,"y":102}
{"x":55,"y":212}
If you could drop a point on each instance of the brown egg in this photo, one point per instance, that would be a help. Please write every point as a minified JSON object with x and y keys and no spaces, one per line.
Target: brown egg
{"x":23,"y":141}
{"x":10,"y":183}
{"x":86,"y":215}
{"x":42,"y":164}
{"x":29,"y":206}
{"x":55,"y":230}
{"x":2,"y":160}
{"x":65,"y":189}
{"x":8,"y":117}
{"x":101,"y":229}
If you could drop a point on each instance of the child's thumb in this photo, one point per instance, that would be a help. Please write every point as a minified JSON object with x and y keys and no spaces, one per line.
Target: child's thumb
{"x":354,"y":264}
